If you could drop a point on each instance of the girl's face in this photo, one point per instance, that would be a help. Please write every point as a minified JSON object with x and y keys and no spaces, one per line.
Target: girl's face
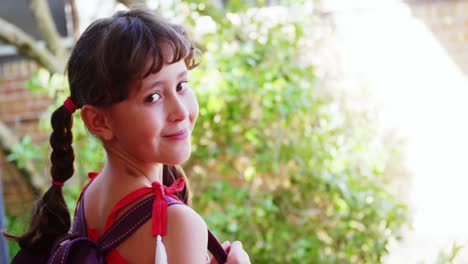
{"x":154,"y":124}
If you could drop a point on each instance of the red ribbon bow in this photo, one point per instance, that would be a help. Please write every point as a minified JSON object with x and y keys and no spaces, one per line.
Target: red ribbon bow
{"x":159,"y":219}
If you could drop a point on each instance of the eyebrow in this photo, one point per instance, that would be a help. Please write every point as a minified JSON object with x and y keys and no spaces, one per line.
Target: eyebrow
{"x":181,"y":75}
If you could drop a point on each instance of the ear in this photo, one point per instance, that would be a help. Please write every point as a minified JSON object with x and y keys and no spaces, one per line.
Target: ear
{"x":96,"y":120}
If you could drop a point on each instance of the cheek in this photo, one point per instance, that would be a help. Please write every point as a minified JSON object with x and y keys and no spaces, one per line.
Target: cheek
{"x":192,"y":106}
{"x":135,"y":125}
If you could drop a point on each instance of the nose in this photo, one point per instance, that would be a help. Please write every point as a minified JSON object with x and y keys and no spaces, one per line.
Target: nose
{"x":177,"y":110}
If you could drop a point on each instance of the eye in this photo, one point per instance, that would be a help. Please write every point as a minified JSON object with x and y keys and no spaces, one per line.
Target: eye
{"x":152,"y":98}
{"x":182,"y":86}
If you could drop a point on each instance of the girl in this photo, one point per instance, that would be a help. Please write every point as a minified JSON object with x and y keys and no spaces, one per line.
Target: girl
{"x":129,"y":76}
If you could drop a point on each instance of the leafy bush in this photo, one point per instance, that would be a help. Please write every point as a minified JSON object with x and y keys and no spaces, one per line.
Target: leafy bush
{"x":303,"y":174}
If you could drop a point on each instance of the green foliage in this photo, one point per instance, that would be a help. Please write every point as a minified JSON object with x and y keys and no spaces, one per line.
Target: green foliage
{"x":24,"y":151}
{"x":15,"y":225}
{"x":43,"y":82}
{"x":278,"y":162}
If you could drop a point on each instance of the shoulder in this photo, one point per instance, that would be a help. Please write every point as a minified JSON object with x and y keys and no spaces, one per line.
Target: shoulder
{"x":183,"y":214}
{"x":185,"y":241}
{"x":185,"y":230}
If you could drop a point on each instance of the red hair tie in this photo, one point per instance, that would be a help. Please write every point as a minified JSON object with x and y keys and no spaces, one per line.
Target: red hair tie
{"x":70,"y":105}
{"x":57,"y":183}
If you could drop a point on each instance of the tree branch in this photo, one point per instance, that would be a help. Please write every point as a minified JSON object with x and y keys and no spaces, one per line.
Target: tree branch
{"x":75,"y":22}
{"x":132,"y":2}
{"x":28,"y":172}
{"x":28,"y":47}
{"x":41,"y":13}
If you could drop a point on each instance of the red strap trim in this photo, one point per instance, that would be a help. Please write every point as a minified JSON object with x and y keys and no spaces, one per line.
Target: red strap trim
{"x":126,"y":200}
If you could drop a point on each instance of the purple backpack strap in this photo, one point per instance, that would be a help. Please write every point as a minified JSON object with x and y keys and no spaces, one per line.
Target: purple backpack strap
{"x":137,"y":216}
{"x":76,"y":250}
{"x":120,"y":230}
{"x":130,"y":222}
{"x":216,"y":249}
{"x":127,"y":224}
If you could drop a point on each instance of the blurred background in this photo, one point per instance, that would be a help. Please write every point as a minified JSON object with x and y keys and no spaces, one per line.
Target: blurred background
{"x":329,"y":131}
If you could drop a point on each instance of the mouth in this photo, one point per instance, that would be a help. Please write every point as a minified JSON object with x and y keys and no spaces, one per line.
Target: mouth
{"x":181,"y":134}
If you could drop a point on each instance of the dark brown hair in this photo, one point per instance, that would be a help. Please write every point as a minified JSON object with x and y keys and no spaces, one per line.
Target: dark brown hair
{"x":109,"y":57}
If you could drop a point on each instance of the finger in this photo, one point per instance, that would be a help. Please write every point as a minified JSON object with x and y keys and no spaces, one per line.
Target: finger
{"x":226,"y":246}
{"x":237,"y":245}
{"x":237,"y":254}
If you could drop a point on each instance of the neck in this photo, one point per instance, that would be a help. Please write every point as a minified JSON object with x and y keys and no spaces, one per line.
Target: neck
{"x":123,"y":166}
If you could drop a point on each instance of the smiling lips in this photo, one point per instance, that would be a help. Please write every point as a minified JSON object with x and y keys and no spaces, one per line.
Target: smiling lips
{"x":179,"y":135}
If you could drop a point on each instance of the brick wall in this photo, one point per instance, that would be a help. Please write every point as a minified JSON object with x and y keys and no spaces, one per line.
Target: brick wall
{"x":20,"y":111}
{"x":18,"y":197}
{"x":448,"y":20}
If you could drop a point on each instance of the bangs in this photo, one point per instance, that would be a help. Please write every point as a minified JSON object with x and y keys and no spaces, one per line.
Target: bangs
{"x":133,"y":50}
{"x":181,"y":49}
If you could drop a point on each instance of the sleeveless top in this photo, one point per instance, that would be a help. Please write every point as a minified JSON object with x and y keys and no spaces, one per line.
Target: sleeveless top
{"x":158,"y":225}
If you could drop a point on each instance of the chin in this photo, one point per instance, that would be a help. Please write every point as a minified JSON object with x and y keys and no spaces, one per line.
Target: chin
{"x":177,"y":159}
{"x":175,"y":162}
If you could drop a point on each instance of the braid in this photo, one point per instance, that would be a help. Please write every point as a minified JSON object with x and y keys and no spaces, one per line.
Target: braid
{"x":51,"y":218}
{"x":60,"y":140}
{"x":170,"y":175}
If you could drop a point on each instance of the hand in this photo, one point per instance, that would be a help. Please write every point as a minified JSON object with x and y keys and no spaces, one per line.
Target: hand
{"x":236,"y":254}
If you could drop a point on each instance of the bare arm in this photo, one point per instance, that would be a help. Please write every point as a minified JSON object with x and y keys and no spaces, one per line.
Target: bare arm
{"x":187,"y":237}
